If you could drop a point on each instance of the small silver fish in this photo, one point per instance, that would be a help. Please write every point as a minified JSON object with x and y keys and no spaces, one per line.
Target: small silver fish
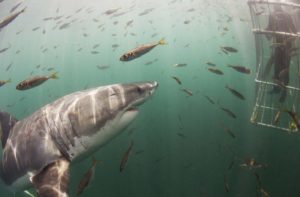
{"x":240,"y":69}
{"x":85,"y":181}
{"x":111,"y":11}
{"x":215,"y":70}
{"x":126,"y":157}
{"x":35,"y":81}
{"x":102,"y":67}
{"x":189,"y":92}
{"x":141,"y":50}
{"x":228,"y":112}
{"x":235,"y":93}
{"x":179,"y":65}
{"x":64,"y":26}
{"x":229,"y":49}
{"x":177,"y":80}
{"x":210,"y":64}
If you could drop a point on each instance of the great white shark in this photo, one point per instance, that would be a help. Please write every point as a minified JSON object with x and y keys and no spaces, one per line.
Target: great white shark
{"x":38,"y":150}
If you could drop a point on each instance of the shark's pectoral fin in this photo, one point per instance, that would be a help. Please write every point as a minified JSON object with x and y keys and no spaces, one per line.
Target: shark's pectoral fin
{"x":53,"y":180}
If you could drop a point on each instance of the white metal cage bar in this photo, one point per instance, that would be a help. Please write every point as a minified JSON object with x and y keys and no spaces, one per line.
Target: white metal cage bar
{"x":267,"y":107}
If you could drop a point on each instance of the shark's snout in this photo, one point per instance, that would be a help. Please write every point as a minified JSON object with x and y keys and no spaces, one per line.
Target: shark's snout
{"x":153,"y":86}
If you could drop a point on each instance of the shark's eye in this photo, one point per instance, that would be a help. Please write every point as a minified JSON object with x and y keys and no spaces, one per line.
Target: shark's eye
{"x":140,"y":90}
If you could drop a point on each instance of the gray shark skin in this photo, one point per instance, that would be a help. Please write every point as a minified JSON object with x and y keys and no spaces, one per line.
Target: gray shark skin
{"x":10,"y":18}
{"x":69,"y":129}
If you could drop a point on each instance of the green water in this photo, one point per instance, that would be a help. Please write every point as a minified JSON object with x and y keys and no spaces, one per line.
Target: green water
{"x":193,"y":164}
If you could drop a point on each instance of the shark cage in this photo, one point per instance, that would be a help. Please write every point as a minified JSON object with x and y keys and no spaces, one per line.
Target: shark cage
{"x":276,"y":26}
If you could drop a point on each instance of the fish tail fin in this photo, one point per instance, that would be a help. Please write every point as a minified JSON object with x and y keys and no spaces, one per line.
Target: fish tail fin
{"x":162,"y":42}
{"x":54,"y":76}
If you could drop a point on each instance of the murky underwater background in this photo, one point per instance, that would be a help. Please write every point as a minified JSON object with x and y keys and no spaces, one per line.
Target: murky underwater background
{"x":181,"y":146}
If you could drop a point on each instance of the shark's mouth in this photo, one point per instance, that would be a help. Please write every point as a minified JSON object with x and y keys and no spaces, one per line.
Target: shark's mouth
{"x":132,"y":109}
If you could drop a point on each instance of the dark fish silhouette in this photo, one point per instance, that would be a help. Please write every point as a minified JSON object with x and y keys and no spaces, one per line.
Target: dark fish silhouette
{"x":35,"y":81}
{"x":153,"y":35}
{"x":128,"y":23}
{"x":210,"y":64}
{"x":4,"y":49}
{"x":96,"y":46}
{"x":10,"y":18}
{"x":181,"y":135}
{"x":257,"y":179}
{"x":189,"y":92}
{"x":230,"y":132}
{"x":146,"y":11}
{"x":186,"y":22}
{"x":224,"y":51}
{"x":35,"y":28}
{"x":47,"y":18}
{"x":126,"y":157}
{"x":240,"y":69}
{"x":8,"y":67}
{"x":235,"y":93}
{"x":86,"y":179}
{"x":151,"y":62}
{"x":15,"y":7}
{"x":77,"y":11}
{"x":64,"y":26}
{"x":215,"y":70}
{"x":141,"y":50}
{"x":177,"y":80}
{"x":209,"y":99}
{"x":228,"y":112}
{"x":229,"y":49}
{"x":227,"y":130}
{"x":94,"y":52}
{"x":102,"y":67}
{"x":115,"y":45}
{"x":111,"y":11}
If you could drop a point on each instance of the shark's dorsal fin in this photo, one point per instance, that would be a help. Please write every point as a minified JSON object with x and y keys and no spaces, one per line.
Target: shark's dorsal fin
{"x":7,"y":122}
{"x":53,"y":180}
